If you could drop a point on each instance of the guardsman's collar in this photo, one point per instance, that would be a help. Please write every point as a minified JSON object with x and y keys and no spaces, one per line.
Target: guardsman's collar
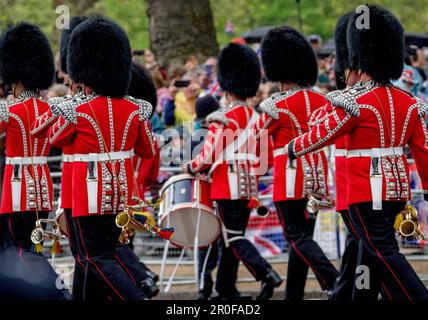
{"x":237,"y":103}
{"x":28,"y":94}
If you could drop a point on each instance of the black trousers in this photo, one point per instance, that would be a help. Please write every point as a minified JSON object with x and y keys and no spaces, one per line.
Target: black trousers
{"x":234,"y":215}
{"x":304,"y":252}
{"x":97,"y":241}
{"x":345,"y":289}
{"x":28,"y":272}
{"x":212,"y":259}
{"x":130,"y":258}
{"x":225,"y":281}
{"x":129,"y":262}
{"x":3,"y":229}
{"x":79,"y":266}
{"x":377,"y":235}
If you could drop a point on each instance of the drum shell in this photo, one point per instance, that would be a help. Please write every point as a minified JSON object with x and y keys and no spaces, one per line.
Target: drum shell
{"x":183,"y":198}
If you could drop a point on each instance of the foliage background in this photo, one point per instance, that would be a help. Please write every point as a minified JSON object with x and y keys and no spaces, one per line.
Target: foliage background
{"x":319,"y":16}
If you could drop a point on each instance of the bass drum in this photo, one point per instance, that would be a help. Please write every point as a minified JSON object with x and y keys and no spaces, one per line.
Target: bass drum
{"x":183,"y":199}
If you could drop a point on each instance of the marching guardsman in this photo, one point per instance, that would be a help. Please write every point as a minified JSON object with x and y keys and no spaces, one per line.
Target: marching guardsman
{"x":27,"y":65}
{"x":105,"y":127}
{"x":345,"y":77}
{"x":234,"y":180}
{"x":378,"y":120}
{"x":128,"y":260}
{"x":40,"y":129}
{"x":285,"y":116}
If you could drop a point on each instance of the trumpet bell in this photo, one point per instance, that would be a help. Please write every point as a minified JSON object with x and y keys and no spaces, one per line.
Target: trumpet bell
{"x":263,"y":211}
{"x":37,"y":236}
{"x":313,"y":205}
{"x":122,"y":219}
{"x":408,"y":228}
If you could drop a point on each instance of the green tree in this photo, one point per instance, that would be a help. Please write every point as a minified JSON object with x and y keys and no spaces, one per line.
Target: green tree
{"x":319,"y":16}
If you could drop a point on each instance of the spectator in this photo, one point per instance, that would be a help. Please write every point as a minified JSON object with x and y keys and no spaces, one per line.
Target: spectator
{"x":213,"y":87}
{"x":316,"y":42}
{"x":57,"y":90}
{"x":180,"y":109}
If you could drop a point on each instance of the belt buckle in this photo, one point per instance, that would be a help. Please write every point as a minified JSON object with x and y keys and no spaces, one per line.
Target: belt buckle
{"x":91,"y":172}
{"x":16,"y":168}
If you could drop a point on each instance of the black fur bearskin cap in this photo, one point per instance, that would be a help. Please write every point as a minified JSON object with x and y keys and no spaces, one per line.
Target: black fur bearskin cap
{"x":26,"y":57}
{"x":99,"y":56}
{"x":378,"y":50}
{"x":142,"y":85}
{"x":239,"y":71}
{"x":341,"y":47}
{"x":287,"y":57}
{"x":65,"y":37}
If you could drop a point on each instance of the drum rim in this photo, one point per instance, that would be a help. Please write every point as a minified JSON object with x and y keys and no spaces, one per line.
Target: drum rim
{"x":61,"y":229}
{"x":161,"y":218}
{"x":179,"y":177}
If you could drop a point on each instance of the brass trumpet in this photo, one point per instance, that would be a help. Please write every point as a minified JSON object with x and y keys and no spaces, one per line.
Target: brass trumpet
{"x":39,"y":234}
{"x":314,"y":204}
{"x":133,"y":218}
{"x":407,"y":223}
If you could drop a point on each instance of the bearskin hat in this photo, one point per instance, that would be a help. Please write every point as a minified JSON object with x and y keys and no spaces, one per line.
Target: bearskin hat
{"x":379,"y":49}
{"x":99,"y":56}
{"x":142,"y":85}
{"x":341,"y":48}
{"x":287,"y":57}
{"x":239,"y":71}
{"x":65,"y":37}
{"x":26,"y":57}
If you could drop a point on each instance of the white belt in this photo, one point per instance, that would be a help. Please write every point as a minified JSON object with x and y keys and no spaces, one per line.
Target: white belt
{"x":379,"y":152}
{"x":278,"y":152}
{"x":26,"y":160}
{"x":376,"y":178}
{"x":119,"y":155}
{"x":242,"y":157}
{"x":340,"y":152}
{"x":67,"y":158}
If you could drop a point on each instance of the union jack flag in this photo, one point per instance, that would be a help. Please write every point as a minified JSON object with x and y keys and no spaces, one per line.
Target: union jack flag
{"x":266,"y":233}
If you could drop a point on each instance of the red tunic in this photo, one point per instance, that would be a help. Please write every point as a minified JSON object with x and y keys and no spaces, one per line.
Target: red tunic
{"x":234,"y":174}
{"x":286,"y":115}
{"x":146,"y":171}
{"x":24,"y":187}
{"x":340,"y":174}
{"x":40,"y":129}
{"x":104,"y":133}
{"x":381,"y":117}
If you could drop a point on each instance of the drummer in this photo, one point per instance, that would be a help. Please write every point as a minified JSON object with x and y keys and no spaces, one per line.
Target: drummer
{"x":206,"y":105}
{"x":234,"y":182}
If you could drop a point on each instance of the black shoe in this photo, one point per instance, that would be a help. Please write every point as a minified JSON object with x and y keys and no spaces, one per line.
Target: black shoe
{"x":149,"y":287}
{"x":203,"y":295}
{"x":331,"y":293}
{"x":152,"y":275}
{"x":269,"y":282}
{"x":235,"y":296}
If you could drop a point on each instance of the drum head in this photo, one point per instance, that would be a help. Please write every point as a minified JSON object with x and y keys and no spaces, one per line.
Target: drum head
{"x":62,"y":221}
{"x":184,"y":221}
